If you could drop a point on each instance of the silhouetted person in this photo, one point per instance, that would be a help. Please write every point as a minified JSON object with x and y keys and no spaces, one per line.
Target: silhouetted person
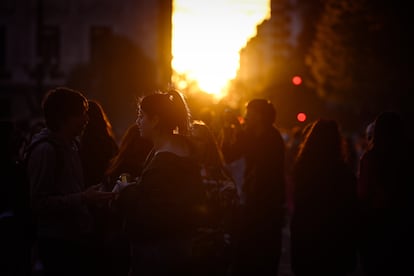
{"x":216,"y":240}
{"x":229,"y":139}
{"x":98,"y":145}
{"x":385,"y":192}
{"x":162,"y":210}
{"x":133,"y":151}
{"x":58,"y":198}
{"x":263,"y":212}
{"x":297,"y":137}
{"x":323,"y":240}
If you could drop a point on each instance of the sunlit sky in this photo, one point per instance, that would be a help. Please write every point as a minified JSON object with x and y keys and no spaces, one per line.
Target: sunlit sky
{"x":208,"y":35}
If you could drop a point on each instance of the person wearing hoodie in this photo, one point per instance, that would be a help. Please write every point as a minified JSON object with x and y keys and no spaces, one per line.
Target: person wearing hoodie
{"x":59,"y":200}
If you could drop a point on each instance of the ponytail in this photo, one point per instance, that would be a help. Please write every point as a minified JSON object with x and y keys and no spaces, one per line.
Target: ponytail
{"x":181,"y":112}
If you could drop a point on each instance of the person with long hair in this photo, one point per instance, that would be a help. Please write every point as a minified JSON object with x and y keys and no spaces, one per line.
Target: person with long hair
{"x":132,"y":153}
{"x":323,"y":222}
{"x":133,"y":150}
{"x":162,"y":210}
{"x":98,"y":144}
{"x":97,"y":147}
{"x":385,"y":190}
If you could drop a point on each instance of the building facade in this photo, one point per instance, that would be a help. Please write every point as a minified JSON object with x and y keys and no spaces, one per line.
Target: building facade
{"x":42,"y":41}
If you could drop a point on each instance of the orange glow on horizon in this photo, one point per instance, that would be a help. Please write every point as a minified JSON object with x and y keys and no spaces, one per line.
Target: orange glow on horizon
{"x":207,"y":37}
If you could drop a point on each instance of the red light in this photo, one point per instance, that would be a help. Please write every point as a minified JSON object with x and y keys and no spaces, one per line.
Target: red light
{"x":301,"y":117}
{"x":297,"y":80}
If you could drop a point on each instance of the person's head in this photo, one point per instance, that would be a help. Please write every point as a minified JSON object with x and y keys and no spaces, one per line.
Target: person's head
{"x":259,"y":113}
{"x":323,"y":141}
{"x":163,"y":113}
{"x":65,"y":109}
{"x":98,"y":122}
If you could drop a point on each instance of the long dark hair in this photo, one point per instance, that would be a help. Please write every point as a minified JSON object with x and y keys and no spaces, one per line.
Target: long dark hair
{"x":132,"y":153}
{"x":98,"y":120}
{"x":323,"y":140}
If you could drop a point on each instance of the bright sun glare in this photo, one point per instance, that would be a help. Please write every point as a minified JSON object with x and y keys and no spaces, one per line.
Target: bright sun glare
{"x":207,"y":37}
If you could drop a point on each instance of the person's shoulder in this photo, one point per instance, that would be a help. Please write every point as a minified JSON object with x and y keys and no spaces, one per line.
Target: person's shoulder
{"x":42,"y":151}
{"x":43,"y":143}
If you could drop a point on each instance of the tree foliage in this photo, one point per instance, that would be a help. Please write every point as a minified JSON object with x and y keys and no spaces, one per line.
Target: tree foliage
{"x":359,"y":57}
{"x":266,"y":58}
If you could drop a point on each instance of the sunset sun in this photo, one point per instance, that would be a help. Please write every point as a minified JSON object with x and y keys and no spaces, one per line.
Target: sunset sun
{"x":207,"y":37}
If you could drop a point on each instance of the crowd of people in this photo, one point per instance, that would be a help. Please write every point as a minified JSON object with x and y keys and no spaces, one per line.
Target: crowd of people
{"x":178,"y":196}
